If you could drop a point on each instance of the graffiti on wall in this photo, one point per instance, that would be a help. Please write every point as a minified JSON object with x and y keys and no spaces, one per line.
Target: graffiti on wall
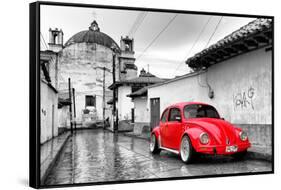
{"x":244,"y":99}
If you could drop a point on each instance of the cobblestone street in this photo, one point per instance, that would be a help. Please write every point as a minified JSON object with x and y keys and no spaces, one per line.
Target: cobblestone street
{"x":97,"y":156}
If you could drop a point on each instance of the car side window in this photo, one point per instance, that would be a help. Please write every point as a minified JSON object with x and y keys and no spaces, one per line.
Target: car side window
{"x":165,"y":116}
{"x":174,"y":112}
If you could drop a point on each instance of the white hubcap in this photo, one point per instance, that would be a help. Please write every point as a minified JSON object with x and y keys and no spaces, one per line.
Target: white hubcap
{"x":184,"y":149}
{"x":152,"y":143}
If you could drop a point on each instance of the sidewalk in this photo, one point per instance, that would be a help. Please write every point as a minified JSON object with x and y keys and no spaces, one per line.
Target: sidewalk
{"x":49,"y":153}
{"x":255,"y":152}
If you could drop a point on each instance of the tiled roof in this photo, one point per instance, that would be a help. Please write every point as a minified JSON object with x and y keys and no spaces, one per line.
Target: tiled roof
{"x":63,"y":99}
{"x":110,"y":101}
{"x":146,"y":79}
{"x":138,"y":80}
{"x":140,"y":92}
{"x":254,"y":35}
{"x":131,"y":66}
{"x":64,"y":94}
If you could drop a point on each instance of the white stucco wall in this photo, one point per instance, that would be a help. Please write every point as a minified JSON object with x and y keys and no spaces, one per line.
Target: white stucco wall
{"x":49,"y":101}
{"x":124,"y":104}
{"x":242,"y":88}
{"x":141,"y":111}
{"x":63,"y":117}
{"x":53,"y":71}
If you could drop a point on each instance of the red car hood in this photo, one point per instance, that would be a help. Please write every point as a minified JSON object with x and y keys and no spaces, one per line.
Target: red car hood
{"x":219,"y":130}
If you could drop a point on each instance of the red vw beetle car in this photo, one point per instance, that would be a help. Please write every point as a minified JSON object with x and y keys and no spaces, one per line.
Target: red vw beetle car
{"x":192,"y":127}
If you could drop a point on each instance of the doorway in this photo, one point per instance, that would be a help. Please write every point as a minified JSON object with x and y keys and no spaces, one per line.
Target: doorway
{"x":154,"y":112}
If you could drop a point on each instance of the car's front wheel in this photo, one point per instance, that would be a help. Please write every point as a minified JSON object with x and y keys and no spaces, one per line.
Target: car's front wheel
{"x":153,"y":146}
{"x":186,"y":149}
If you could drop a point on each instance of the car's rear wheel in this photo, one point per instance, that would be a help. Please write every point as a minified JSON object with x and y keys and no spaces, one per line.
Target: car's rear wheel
{"x":186,"y":149}
{"x":153,"y":145}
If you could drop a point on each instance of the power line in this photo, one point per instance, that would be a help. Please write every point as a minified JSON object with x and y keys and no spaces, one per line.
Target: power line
{"x":145,"y":14}
{"x":213,"y":32}
{"x":42,"y":45}
{"x":137,"y":20}
{"x":195,"y":42}
{"x":140,"y":18}
{"x":198,"y":76}
{"x":150,"y":44}
{"x":44,"y":42}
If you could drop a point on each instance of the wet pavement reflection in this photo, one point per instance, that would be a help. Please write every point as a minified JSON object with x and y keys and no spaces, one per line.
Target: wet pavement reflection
{"x":98,"y":156}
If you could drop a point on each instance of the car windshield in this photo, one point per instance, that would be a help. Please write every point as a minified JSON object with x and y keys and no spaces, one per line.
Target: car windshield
{"x":198,"y":111}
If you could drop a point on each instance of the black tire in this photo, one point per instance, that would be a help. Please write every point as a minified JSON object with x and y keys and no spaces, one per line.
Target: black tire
{"x":186,"y":150}
{"x":153,"y":145}
{"x":239,"y":155}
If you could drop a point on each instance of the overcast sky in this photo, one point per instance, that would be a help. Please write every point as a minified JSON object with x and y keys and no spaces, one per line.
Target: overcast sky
{"x":167,"y":54}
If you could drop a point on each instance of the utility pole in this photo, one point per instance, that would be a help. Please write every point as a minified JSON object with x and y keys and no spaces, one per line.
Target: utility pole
{"x":115,"y":127}
{"x":103,"y":98}
{"x":74,"y":108}
{"x":70,"y":105}
{"x":103,"y":94}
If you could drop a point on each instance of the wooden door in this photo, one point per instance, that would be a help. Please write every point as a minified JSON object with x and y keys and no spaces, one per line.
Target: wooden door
{"x":133,"y":115}
{"x":154,"y":112}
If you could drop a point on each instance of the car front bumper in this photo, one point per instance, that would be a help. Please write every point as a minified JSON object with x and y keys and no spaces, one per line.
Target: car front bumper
{"x":223,"y":149}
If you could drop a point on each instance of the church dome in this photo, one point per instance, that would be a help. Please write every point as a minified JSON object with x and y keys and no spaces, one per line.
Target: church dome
{"x":93,"y":35}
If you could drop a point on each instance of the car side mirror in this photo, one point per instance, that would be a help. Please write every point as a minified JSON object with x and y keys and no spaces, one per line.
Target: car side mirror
{"x":222,"y":118}
{"x":178,"y":118}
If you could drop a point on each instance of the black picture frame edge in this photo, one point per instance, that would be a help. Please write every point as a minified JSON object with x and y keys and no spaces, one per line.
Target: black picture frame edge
{"x":150,"y":9}
{"x":34,"y":90}
{"x":272,"y":96}
{"x":34,"y":95}
{"x":156,"y":179}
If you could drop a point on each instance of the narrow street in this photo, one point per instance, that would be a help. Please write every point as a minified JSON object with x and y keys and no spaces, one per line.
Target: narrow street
{"x":97,"y":156}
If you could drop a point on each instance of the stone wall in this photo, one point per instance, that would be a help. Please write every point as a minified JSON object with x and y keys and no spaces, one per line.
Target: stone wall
{"x":258,"y":134}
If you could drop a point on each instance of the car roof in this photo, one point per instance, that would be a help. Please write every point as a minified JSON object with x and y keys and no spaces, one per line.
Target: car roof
{"x":182,"y":104}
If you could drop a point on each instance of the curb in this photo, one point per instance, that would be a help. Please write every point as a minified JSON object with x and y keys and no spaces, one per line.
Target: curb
{"x":136,"y":136}
{"x":118,"y":132}
{"x":52,"y":163}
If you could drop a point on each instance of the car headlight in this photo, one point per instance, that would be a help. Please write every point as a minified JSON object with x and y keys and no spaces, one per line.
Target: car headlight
{"x":243,"y":136}
{"x":204,"y":138}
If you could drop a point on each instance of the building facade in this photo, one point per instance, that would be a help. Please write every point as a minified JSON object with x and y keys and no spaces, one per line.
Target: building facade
{"x":48,"y":96}
{"x":131,"y":114}
{"x":87,"y":60}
